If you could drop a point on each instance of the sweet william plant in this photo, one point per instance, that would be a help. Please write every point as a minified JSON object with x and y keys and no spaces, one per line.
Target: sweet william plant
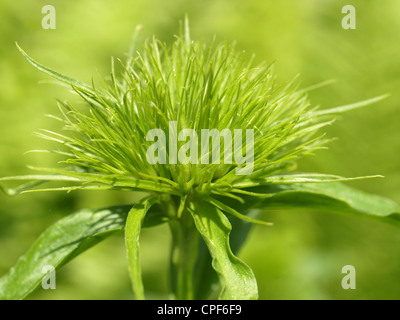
{"x":104,"y":147}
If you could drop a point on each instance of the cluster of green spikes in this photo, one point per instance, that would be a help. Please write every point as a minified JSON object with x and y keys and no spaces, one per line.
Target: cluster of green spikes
{"x":199,"y":86}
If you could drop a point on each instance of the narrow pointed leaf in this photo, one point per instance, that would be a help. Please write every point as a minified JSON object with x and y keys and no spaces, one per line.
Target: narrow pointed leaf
{"x":352,"y":106}
{"x":63,"y":78}
{"x":235,"y":213}
{"x":98,"y":181}
{"x":297,"y":178}
{"x":329,"y":197}
{"x":132,"y":232}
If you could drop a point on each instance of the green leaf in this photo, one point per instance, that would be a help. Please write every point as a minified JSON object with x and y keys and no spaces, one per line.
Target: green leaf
{"x":235,"y":213}
{"x":294,"y":179}
{"x":237,"y":279}
{"x":62,"y":242}
{"x":329,"y":197}
{"x":89,"y":181}
{"x":206,"y":280}
{"x":132,"y":231}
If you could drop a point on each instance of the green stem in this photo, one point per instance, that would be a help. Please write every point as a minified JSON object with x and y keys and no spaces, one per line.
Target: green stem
{"x":184,"y":252}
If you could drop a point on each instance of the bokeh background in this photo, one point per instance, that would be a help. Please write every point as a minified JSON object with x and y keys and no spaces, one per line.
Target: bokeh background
{"x":301,"y":257}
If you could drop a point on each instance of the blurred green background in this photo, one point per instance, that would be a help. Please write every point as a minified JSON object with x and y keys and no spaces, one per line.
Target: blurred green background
{"x":301,"y":257}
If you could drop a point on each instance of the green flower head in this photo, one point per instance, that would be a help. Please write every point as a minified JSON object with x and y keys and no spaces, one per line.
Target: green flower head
{"x":211,"y":90}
